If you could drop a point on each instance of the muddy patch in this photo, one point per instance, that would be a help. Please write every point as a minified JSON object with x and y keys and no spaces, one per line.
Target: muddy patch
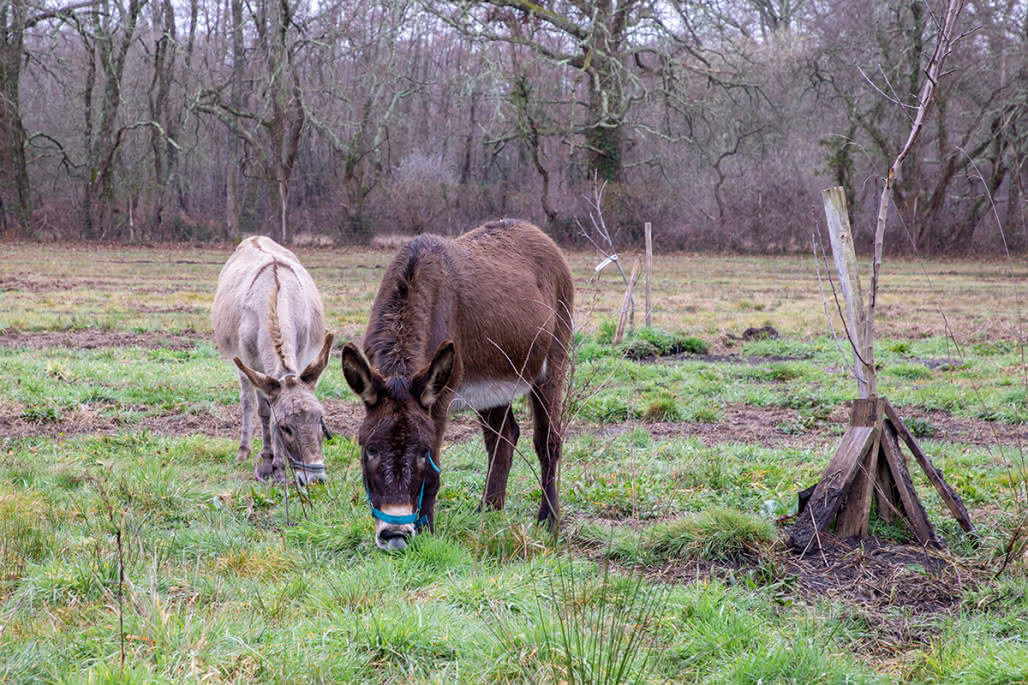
{"x":739,"y":423}
{"x":776,"y":427}
{"x":343,"y":418}
{"x":95,"y":338}
{"x":939,"y":425}
{"x":725,"y":359}
{"x":897,"y":593}
{"x":764,"y":426}
{"x":30,"y":284}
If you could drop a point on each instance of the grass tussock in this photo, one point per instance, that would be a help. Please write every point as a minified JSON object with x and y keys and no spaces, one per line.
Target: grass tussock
{"x":585,"y":632}
{"x":26,"y":533}
{"x":261,"y":562}
{"x":716,"y":535}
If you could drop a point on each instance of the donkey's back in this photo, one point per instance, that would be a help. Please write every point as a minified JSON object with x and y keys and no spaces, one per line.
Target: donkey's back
{"x":265,"y":293}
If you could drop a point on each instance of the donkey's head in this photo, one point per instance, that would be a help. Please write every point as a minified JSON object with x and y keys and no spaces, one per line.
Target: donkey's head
{"x":297,"y":420}
{"x":398,"y":438}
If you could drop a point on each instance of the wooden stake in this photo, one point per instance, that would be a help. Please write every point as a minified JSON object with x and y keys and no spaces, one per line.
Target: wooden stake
{"x":648,"y":230}
{"x":887,"y":499}
{"x":856,"y":510}
{"x":845,"y":257}
{"x":835,"y":484}
{"x":623,"y":319}
{"x":949,"y":495}
{"x":912,"y":507}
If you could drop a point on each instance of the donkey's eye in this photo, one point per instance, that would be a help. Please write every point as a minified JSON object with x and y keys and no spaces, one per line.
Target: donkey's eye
{"x":286,"y":431}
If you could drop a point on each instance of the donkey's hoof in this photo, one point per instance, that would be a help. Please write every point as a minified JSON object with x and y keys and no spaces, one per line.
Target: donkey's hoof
{"x":547,"y":518}
{"x":263,"y":471}
{"x":242,"y":454}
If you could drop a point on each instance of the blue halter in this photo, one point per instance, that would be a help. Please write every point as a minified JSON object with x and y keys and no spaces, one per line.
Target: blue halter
{"x":417,"y":518}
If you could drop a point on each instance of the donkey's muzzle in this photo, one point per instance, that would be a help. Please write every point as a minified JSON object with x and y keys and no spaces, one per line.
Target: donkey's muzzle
{"x":308,"y":473}
{"x":394,"y":538}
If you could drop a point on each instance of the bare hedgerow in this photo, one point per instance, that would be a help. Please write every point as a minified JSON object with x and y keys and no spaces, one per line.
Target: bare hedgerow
{"x":421,"y":191}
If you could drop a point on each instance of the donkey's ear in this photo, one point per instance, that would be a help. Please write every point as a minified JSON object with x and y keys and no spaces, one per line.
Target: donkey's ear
{"x":429,"y":383}
{"x":267,"y":385}
{"x":313,"y":371}
{"x":361,"y":378}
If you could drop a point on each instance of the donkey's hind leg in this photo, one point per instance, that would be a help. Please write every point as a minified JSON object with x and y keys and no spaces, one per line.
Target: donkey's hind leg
{"x":548,"y":410}
{"x":547,"y":436}
{"x":501,"y":432}
{"x":247,"y":405}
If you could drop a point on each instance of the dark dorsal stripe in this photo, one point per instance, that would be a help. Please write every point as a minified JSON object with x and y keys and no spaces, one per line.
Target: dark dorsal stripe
{"x":273,"y":324}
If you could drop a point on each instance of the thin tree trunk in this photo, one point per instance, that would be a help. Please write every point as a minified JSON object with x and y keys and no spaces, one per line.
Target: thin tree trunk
{"x":235,"y":144}
{"x":14,"y":179}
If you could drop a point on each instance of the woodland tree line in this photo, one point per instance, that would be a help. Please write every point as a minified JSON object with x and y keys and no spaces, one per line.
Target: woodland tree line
{"x":717,"y":120}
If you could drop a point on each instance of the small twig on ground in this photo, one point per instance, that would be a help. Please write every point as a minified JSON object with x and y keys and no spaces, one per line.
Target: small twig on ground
{"x":116,"y":525}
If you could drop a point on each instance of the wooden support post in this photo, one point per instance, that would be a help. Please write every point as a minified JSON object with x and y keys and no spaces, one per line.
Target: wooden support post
{"x":856,"y":510}
{"x":648,"y":230}
{"x":845,"y":257}
{"x":623,"y":319}
{"x":835,"y":484}
{"x":912,"y":507}
{"x":949,"y":495}
{"x":887,"y":499}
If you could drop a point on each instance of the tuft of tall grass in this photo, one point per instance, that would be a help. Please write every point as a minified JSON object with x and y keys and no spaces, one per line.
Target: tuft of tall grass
{"x":585,"y":633}
{"x":661,"y":406}
{"x":25,"y":533}
{"x":716,"y":534}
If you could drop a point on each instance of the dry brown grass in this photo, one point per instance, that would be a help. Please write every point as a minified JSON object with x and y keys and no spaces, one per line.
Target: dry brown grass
{"x":48,"y":287}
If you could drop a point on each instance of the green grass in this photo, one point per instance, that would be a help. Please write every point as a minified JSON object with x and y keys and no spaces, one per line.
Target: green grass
{"x":231,"y":591}
{"x":222,"y":585}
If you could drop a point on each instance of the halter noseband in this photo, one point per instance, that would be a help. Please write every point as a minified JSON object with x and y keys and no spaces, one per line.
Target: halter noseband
{"x":306,"y":468}
{"x":417,"y":518}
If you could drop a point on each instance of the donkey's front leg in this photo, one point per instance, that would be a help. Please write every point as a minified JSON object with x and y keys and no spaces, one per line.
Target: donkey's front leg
{"x":500,"y":430}
{"x":266,"y":465}
{"x":247,"y":405}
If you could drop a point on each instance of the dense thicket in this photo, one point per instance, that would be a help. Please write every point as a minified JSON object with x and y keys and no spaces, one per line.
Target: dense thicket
{"x":717,"y":120}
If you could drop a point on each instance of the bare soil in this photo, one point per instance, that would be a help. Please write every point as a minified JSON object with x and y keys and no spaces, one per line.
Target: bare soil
{"x":739,"y":424}
{"x":343,"y":418}
{"x":898,"y":592}
{"x":35,"y":284}
{"x":949,"y":428}
{"x":95,"y":338}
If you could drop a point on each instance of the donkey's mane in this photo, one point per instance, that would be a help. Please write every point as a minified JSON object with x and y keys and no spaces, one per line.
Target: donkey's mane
{"x":274,"y":324}
{"x":395,"y":344}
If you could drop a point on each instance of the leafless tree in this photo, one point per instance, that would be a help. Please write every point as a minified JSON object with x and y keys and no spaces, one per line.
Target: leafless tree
{"x":718,"y":120}
{"x":271,"y":127}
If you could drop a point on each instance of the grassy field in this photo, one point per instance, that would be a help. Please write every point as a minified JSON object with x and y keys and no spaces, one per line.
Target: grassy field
{"x":118,"y":421}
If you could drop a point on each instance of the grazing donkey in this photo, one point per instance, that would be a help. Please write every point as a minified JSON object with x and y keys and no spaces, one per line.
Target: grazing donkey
{"x":467,"y":323}
{"x":268,"y":317}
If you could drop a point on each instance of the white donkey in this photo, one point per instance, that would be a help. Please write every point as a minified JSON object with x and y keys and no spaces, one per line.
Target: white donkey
{"x":269,"y":318}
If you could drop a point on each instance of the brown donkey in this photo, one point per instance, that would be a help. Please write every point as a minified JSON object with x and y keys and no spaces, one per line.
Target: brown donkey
{"x":467,"y":323}
{"x":268,"y":317}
